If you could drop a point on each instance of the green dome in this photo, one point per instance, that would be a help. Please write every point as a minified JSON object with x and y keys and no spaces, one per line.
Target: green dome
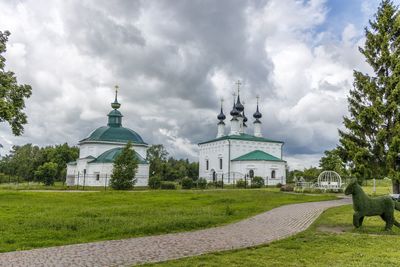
{"x":114,"y":134}
{"x":110,"y":155}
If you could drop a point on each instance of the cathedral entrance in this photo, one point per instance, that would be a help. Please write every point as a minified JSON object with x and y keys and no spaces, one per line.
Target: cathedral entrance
{"x":214,"y":175}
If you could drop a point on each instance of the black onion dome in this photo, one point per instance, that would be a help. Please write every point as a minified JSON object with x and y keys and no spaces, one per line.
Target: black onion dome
{"x":239,"y":105}
{"x":221,"y":116}
{"x":234,"y":111}
{"x":257,"y":115}
{"x":244,"y":118}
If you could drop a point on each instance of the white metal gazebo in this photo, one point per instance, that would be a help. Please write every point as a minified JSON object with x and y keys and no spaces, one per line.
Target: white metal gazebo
{"x":329,"y":180}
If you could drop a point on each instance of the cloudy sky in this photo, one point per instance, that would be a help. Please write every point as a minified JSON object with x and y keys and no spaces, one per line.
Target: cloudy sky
{"x":174,"y":60}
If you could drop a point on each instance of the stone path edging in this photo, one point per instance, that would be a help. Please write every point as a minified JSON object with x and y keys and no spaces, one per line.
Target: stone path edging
{"x":264,"y":228}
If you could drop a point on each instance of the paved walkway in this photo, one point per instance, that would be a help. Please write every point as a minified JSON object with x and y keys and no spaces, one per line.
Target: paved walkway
{"x":263,"y":228}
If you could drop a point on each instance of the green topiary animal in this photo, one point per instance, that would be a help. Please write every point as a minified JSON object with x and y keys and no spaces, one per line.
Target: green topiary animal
{"x":364,"y":205}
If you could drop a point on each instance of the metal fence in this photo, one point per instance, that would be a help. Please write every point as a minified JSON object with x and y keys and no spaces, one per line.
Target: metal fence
{"x":233,"y":177}
{"x":102,"y":180}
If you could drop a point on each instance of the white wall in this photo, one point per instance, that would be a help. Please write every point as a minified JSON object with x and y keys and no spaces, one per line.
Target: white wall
{"x":263,"y":169}
{"x":75,"y":174}
{"x":213,"y":151}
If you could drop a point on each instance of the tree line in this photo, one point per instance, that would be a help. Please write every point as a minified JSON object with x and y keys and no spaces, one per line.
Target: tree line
{"x":169,"y":169}
{"x":28,"y":163}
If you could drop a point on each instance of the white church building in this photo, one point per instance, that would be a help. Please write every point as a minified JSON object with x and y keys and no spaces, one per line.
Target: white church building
{"x":98,"y":151}
{"x":241,"y":155}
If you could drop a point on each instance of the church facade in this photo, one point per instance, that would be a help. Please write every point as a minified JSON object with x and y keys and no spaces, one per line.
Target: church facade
{"x":98,"y":151}
{"x":241,"y":155}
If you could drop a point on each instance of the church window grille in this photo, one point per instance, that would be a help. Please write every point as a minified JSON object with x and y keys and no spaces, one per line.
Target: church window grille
{"x":206,"y":164}
{"x":220,"y":163}
{"x":273,"y":176}
{"x":97,"y":176}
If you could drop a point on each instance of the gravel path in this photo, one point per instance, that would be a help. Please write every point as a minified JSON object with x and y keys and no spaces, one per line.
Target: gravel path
{"x":263,"y":228}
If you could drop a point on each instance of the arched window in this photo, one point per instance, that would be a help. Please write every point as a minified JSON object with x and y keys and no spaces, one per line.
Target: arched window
{"x":220,"y":163}
{"x":214,"y":176}
{"x":251,"y":173}
{"x":207,"y":165}
{"x":273,"y":174}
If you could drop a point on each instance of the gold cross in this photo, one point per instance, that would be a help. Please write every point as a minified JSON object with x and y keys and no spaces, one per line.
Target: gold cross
{"x":116,"y":88}
{"x":258,"y":97}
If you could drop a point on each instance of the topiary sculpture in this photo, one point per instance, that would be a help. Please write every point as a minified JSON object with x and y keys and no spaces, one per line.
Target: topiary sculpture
{"x":364,"y":205}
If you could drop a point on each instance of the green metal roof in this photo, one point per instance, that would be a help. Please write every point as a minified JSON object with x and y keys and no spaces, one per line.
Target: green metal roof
{"x":114,"y":134}
{"x":110,"y":155}
{"x":244,"y":137}
{"x":258,"y":155}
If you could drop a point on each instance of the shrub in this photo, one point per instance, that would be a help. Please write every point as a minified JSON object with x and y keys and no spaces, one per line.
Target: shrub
{"x":210,"y":184}
{"x":187,"y":183}
{"x":278,"y":185}
{"x":241,"y":183}
{"x":257,"y":182}
{"x":155,"y":182}
{"x":202,"y":183}
{"x":46,"y":173}
{"x":218,"y":184}
{"x":168,"y":185}
{"x":287,"y":188}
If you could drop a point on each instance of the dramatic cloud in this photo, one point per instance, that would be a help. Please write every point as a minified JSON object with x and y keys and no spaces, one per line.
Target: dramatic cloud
{"x":174,"y":60}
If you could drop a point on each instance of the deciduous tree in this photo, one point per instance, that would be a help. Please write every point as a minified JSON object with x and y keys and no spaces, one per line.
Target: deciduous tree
{"x":12,"y":95}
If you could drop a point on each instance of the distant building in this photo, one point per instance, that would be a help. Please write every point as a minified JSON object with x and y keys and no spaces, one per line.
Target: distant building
{"x":241,"y":155}
{"x":98,"y":151}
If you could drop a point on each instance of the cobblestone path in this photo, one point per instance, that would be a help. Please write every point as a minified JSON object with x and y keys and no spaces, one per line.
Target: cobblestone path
{"x":263,"y":228}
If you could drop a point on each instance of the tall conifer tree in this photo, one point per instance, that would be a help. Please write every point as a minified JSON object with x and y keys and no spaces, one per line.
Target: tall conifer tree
{"x":371,"y":141}
{"x":124,"y":169}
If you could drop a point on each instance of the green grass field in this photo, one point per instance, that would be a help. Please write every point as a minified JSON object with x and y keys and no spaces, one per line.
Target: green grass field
{"x":43,"y":219}
{"x":382,"y":187}
{"x":331,"y":241}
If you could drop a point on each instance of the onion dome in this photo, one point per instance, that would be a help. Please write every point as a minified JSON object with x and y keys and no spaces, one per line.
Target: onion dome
{"x":234,"y":111}
{"x":257,"y":115}
{"x":221,"y":116}
{"x":239,"y":105}
{"x":115,"y":105}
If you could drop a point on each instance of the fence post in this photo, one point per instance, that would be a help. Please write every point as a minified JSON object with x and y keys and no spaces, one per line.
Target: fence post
{"x":77,"y":184}
{"x":84,"y":178}
{"x":222,"y":181}
{"x":105,"y":184}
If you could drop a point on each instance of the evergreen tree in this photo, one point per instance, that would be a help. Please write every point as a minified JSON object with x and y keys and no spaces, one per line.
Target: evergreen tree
{"x":12,"y":95}
{"x":371,"y":141}
{"x":124,"y":169}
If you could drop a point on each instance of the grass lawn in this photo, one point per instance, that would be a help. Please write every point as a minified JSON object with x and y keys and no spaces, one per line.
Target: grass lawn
{"x":330,"y":241}
{"x":382,"y":187}
{"x":42,"y":219}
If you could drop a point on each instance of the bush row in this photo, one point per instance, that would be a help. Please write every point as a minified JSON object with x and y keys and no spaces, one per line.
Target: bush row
{"x":187,"y":183}
{"x":316,"y":190}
